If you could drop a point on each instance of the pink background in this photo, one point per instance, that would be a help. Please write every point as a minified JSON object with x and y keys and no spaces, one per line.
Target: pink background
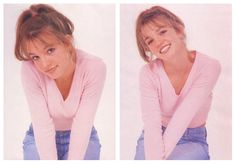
{"x":208,"y":30}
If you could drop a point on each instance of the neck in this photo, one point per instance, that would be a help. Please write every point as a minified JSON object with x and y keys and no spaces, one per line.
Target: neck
{"x":68,"y":75}
{"x":182,"y":61}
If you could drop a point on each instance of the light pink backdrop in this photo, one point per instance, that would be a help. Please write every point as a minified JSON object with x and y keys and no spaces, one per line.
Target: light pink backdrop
{"x":208,"y":30}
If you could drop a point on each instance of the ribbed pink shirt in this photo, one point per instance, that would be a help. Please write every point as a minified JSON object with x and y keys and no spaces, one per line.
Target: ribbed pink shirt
{"x":49,"y":112}
{"x":162,"y":107}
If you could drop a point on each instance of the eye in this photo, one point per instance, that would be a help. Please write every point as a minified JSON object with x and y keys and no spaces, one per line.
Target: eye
{"x":162,"y":32}
{"x":35,"y":58}
{"x":50,"y":50}
{"x":150,"y":42}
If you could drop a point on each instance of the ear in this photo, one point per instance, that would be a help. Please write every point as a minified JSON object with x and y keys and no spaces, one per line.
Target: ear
{"x":182,"y":35}
{"x":69,"y":42}
{"x":180,"y":32}
{"x":70,"y":38}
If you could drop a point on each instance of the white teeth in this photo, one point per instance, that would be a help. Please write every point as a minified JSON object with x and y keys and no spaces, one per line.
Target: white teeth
{"x":165,"y":48}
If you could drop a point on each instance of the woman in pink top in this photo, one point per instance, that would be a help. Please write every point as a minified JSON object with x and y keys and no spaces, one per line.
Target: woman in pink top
{"x":62,"y":86}
{"x":176,"y":89}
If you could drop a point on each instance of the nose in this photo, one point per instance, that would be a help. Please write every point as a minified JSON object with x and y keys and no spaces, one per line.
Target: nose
{"x":159,"y":42}
{"x":162,"y":38}
{"x":45,"y":63}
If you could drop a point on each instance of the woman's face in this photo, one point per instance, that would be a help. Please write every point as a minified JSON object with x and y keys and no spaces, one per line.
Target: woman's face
{"x":163,"y":41}
{"x":52,"y":58}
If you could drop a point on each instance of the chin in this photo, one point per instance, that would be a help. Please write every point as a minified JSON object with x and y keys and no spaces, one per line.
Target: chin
{"x":54,"y":77}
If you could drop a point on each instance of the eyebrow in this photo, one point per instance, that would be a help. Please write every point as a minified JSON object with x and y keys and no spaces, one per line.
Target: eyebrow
{"x":46,"y":46}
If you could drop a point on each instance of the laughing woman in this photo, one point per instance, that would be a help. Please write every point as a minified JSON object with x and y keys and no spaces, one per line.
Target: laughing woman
{"x":63,"y":86}
{"x":176,"y":89}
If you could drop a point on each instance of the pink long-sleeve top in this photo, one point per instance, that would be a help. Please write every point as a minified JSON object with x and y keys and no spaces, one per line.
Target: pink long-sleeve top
{"x":50,"y":113}
{"x":161,"y":106}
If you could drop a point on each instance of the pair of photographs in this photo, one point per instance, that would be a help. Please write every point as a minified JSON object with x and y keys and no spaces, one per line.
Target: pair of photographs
{"x":88,"y":82}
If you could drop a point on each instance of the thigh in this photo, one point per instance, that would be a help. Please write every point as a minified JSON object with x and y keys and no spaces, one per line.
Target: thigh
{"x":189,"y":151}
{"x":93,"y":148}
{"x":29,"y":147}
{"x":139,"y":153}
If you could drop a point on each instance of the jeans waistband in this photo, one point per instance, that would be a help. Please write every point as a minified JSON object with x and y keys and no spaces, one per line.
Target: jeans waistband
{"x":192,"y":131}
{"x":59,"y":133}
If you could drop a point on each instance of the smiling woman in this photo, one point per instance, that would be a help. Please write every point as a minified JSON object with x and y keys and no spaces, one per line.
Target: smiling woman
{"x":62,"y":84}
{"x":175,"y":87}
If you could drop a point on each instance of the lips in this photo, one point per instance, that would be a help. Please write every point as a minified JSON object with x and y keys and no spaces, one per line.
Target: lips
{"x":165,"y":48}
{"x":51,"y":70}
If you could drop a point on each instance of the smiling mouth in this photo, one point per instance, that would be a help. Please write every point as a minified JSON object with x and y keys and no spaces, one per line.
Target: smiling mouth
{"x":165,"y":49}
{"x":52,"y":69}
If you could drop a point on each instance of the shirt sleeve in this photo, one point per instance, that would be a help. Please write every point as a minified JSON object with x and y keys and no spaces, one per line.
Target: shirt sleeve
{"x":84,"y":118}
{"x":151,"y":116}
{"x":44,"y":131}
{"x":186,"y":110}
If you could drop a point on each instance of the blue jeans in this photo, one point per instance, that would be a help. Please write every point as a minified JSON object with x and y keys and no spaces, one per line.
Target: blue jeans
{"x":191,"y":146}
{"x":62,"y":145}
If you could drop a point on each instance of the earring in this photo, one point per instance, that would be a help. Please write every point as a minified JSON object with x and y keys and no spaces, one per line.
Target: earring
{"x":150,"y":55}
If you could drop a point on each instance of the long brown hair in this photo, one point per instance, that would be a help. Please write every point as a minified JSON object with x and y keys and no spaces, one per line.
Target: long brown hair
{"x":41,"y":19}
{"x":154,"y":14}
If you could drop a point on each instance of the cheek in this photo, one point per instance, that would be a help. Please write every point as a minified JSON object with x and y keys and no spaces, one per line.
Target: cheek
{"x":61,"y":55}
{"x":152,"y":47}
{"x":178,"y":41}
{"x":177,"y":37}
{"x":61,"y":59}
{"x":38,"y":66}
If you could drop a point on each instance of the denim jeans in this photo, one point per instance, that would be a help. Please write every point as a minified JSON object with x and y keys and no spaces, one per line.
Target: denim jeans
{"x":191,"y":146}
{"x":62,"y":145}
